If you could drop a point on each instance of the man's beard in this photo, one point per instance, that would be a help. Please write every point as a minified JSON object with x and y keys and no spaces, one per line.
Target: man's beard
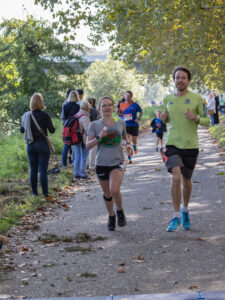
{"x":181,"y":87}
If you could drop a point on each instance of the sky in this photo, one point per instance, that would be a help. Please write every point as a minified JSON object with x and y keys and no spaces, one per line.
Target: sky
{"x":21,"y":8}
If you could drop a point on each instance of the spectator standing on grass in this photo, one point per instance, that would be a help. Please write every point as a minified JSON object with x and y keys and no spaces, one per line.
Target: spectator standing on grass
{"x":80,"y":150}
{"x":37,"y":148}
{"x":184,"y":110}
{"x":66,"y":101}
{"x":94,"y":115}
{"x":107,"y":134}
{"x":69,"y":109}
{"x":81,"y":95}
{"x":222,"y":103}
{"x":211,"y":107}
{"x":216,"y":114}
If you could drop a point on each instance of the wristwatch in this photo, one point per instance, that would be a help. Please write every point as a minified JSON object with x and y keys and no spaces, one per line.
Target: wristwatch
{"x":97,"y":138}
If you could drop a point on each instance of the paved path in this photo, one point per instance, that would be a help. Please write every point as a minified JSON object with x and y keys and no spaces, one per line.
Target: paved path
{"x":141,"y":258}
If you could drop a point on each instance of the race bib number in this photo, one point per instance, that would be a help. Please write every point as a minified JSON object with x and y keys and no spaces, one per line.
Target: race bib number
{"x":128,"y":117}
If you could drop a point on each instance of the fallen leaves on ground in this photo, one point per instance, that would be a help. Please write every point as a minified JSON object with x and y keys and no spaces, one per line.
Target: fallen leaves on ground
{"x":191,"y":287}
{"x":23,"y":250}
{"x":139,"y":258}
{"x":81,"y":237}
{"x":121,"y":271}
{"x":200,"y":239}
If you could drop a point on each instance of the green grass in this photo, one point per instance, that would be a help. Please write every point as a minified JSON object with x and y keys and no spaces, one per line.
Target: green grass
{"x":13,"y":157}
{"x":218,"y":131}
{"x":15,"y":199}
{"x":11,"y":213}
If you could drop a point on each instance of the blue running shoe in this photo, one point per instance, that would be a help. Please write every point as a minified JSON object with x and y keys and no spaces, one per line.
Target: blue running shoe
{"x":185,"y":220}
{"x":174,"y":223}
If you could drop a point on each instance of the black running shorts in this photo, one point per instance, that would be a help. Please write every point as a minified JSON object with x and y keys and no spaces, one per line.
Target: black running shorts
{"x":132,"y":130}
{"x":159,"y":135}
{"x":185,"y":158}
{"x":103,"y":172}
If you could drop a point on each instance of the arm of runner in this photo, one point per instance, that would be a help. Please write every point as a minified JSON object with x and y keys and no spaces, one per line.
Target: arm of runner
{"x":93,"y":141}
{"x":140,"y":116}
{"x":139,"y":109}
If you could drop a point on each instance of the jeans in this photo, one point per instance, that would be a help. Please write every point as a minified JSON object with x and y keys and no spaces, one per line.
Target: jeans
{"x":212,"y":120}
{"x":80,"y":160}
{"x":66,"y":148}
{"x":38,"y":153}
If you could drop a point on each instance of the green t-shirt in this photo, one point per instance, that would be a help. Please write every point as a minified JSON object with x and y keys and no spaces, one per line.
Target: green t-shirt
{"x":182,"y":133}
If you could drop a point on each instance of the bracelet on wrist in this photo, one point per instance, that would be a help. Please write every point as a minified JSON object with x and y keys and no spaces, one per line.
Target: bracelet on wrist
{"x":128,"y":143}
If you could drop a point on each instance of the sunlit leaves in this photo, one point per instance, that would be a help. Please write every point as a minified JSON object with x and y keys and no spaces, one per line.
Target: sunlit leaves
{"x":112,"y":78}
{"x":32,"y":59}
{"x":171,"y":32}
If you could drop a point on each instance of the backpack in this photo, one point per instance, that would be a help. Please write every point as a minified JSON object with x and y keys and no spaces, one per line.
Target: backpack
{"x":71,"y":134}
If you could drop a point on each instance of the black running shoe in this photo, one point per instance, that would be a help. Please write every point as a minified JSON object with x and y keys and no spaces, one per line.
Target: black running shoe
{"x":112,"y":223}
{"x":121,"y":219}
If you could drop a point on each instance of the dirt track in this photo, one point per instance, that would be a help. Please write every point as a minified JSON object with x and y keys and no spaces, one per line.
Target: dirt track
{"x":141,"y":258}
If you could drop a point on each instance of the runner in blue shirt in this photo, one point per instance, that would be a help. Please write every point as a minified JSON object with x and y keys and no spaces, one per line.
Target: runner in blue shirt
{"x":129,"y":110}
{"x":159,"y":128}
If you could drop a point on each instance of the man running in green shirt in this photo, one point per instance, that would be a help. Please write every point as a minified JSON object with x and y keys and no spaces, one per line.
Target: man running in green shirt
{"x":183,"y":111}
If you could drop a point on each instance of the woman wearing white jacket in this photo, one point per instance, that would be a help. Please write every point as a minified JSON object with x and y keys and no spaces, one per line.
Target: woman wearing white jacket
{"x":211,"y":107}
{"x":80,"y":150}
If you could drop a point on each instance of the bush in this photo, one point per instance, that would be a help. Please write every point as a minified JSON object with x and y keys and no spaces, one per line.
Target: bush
{"x":218,"y":131}
{"x":149,"y":112}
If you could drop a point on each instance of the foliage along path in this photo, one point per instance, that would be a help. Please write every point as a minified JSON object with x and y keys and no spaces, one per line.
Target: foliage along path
{"x":69,"y":252}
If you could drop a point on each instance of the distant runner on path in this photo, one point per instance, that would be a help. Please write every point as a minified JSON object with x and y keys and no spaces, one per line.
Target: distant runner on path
{"x":129,"y":110}
{"x":184,"y":110}
{"x":108,"y":135}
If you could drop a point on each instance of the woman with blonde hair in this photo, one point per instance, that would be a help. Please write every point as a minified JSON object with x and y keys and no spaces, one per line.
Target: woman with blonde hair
{"x":69,"y":109}
{"x":37,"y":148}
{"x":80,"y":150}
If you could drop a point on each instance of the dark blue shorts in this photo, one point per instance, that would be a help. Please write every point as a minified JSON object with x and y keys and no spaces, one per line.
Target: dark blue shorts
{"x":132,"y":130}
